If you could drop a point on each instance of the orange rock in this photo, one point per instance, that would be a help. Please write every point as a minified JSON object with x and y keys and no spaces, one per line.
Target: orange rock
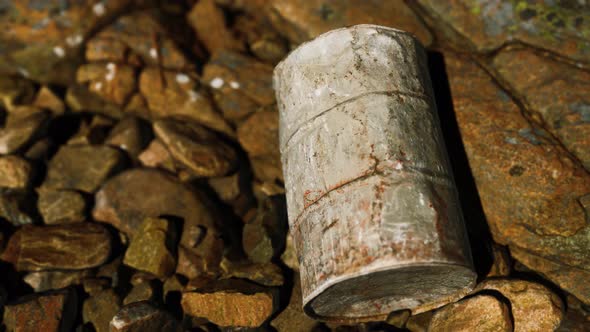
{"x":208,"y":21}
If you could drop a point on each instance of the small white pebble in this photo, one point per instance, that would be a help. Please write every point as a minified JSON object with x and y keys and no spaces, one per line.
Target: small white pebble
{"x":98,"y":9}
{"x":153,"y":53}
{"x":216,"y":83}
{"x":194,"y":96}
{"x":59,"y":51}
{"x":111,"y":71}
{"x":98,"y":86}
{"x":234,"y":85}
{"x":182,"y":78}
{"x":74,"y":40}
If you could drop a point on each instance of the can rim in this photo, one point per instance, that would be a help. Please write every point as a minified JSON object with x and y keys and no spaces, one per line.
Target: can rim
{"x":455,"y":295}
{"x":338,"y":30}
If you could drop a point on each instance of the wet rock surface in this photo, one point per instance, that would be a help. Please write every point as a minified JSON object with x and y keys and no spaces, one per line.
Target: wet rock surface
{"x":141,"y":186}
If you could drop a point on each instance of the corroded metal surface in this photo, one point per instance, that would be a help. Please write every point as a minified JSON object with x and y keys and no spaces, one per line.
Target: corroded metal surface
{"x":371,"y":200}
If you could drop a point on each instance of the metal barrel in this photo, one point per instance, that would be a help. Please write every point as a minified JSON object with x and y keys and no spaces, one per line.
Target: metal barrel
{"x":372,"y":204}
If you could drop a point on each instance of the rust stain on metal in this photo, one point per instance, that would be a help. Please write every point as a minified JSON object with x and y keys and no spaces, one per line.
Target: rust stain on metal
{"x":371,"y":200}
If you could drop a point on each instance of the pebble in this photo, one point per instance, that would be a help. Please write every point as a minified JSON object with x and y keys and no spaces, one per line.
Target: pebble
{"x":119,"y":204}
{"x":130,"y":135}
{"x":20,"y":130}
{"x":61,"y":206}
{"x":151,"y":249}
{"x":47,"y":99}
{"x":478,"y":313}
{"x":156,"y":155}
{"x":143,"y":316}
{"x":15,"y":172}
{"x":48,"y":280}
{"x":226,"y":308}
{"x":61,"y":247}
{"x":528,"y":299}
{"x":47,"y":312}
{"x":100,"y":308}
{"x":82,"y":167}
{"x":146,"y":290}
{"x":197,"y":148}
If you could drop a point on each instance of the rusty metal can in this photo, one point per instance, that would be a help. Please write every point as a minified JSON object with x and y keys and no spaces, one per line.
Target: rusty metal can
{"x":372,"y":204}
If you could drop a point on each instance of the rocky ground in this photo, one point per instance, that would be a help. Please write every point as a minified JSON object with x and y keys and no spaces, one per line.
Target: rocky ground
{"x":141,"y":187}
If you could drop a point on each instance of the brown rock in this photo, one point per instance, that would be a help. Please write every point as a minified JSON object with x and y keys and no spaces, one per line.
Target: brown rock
{"x":264,"y":235}
{"x":15,"y":172}
{"x":257,"y":243}
{"x":478,"y":313}
{"x":556,"y":92}
{"x":15,"y":90}
{"x":47,"y":280}
{"x":106,"y":49}
{"x":93,"y":286}
{"x":177,"y":94}
{"x":227,"y":187}
{"x":303,"y":20}
{"x":399,"y":318}
{"x":129,"y":135}
{"x":48,"y":100}
{"x":82,"y":167}
{"x":569,"y":278}
{"x":263,"y":40}
{"x":42,"y":41}
{"x":420,"y":322}
{"x":534,"y":306}
{"x":141,"y":34}
{"x":293,"y":314}
{"x":266,"y":274}
{"x":137,"y":106}
{"x":40,"y":150}
{"x":92,"y":132}
{"x":240,"y":84}
{"x":227,"y":308}
{"x":576,"y":318}
{"x":208,"y":21}
{"x":502,"y":263}
{"x":150,"y":249}
{"x":80,"y":99}
{"x":15,"y":208}
{"x":100,"y":308}
{"x":146,"y":290}
{"x":529,"y":188}
{"x":127,"y":199}
{"x":20,"y":130}
{"x":111,"y":81}
{"x":143,"y":317}
{"x":259,"y":135}
{"x":51,"y":312}
{"x":196,"y":148}
{"x":156,"y":155}
{"x":61,"y":206}
{"x":64,"y":247}
{"x":560,"y":27}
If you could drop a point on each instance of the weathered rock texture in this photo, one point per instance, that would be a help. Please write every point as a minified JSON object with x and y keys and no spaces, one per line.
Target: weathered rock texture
{"x":533,"y":195}
{"x":65,"y":247}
